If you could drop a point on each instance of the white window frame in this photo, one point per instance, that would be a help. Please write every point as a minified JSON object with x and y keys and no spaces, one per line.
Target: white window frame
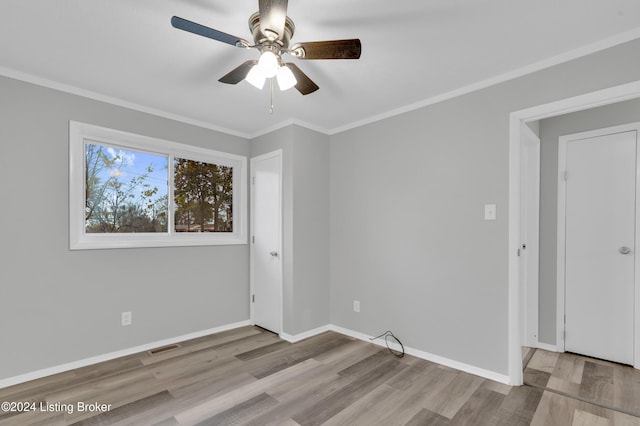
{"x":81,"y":134}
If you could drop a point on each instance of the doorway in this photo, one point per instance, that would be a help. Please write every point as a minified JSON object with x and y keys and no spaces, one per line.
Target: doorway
{"x":596,"y":243}
{"x":266,"y":274}
{"x":519,"y":119}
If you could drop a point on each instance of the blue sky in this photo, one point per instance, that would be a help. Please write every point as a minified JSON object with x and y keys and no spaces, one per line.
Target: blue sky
{"x":133,"y":164}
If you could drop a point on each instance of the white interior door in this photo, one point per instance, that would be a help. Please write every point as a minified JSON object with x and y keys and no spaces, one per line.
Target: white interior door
{"x":266,"y":241}
{"x":600,"y":221}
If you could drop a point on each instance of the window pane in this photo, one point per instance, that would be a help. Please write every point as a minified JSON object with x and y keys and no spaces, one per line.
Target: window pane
{"x":125,"y":190}
{"x":203,"y":196}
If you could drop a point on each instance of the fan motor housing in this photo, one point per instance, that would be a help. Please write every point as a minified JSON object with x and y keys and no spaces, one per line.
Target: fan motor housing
{"x":259,"y":38}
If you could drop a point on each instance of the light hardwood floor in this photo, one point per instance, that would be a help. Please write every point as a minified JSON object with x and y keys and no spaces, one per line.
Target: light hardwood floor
{"x":606,"y":384}
{"x":248,"y":376}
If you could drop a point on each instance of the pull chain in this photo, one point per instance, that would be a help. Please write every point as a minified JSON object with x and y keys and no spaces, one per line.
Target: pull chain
{"x":271,"y":95}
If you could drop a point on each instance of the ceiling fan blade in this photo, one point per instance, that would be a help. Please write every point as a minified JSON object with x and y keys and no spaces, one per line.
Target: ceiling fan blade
{"x":273,"y":14}
{"x":238,"y":74}
{"x":192,"y":27}
{"x":304,"y":84}
{"x":332,"y":49}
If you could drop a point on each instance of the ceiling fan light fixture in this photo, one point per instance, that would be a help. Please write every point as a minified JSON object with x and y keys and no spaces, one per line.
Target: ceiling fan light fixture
{"x":272,"y":31}
{"x":256,"y":77}
{"x":286,"y":79}
{"x":268,"y":63}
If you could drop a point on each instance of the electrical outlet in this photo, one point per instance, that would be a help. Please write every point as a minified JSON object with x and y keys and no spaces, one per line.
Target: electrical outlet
{"x":356,"y":306}
{"x":126,"y":318}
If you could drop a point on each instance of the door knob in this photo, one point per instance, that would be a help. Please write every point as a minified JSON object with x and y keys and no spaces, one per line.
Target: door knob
{"x":624,"y":250}
{"x":274,"y":253}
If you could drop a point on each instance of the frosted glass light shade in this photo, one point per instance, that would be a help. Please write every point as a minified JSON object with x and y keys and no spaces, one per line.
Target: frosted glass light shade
{"x":256,"y":77}
{"x":286,"y":79}
{"x":268,"y":64}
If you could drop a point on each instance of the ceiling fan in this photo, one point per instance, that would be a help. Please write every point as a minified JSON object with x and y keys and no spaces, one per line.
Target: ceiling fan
{"x":272,"y":31}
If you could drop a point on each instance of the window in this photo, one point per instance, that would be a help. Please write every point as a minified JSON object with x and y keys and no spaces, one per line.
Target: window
{"x":203,"y":195}
{"x":129,"y":190}
{"x":125,"y":190}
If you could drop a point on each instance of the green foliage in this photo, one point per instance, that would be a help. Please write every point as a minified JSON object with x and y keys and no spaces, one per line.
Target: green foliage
{"x":203,"y":196}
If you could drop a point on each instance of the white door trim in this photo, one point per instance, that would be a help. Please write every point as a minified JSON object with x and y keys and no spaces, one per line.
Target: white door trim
{"x":561,"y":231}
{"x":530,"y":239}
{"x":561,"y":244}
{"x":253,"y":160}
{"x":517,"y":120}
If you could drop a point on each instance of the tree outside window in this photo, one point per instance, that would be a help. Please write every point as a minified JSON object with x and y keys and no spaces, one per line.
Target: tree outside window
{"x":203,"y":196}
{"x":125,"y":191}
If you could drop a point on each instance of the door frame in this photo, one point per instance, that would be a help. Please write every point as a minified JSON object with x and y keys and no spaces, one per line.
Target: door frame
{"x":252,"y":164}
{"x":561,"y":233}
{"x":530,"y":237}
{"x":518,"y":119}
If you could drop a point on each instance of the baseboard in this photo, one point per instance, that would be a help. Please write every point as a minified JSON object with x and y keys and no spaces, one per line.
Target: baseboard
{"x":487,"y":374}
{"x":301,"y":336}
{"x":117,"y":354}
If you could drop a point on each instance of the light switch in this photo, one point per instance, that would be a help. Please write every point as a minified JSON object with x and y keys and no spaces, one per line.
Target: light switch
{"x":489,"y":212}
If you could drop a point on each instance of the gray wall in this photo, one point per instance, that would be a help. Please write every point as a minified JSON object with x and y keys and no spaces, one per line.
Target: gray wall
{"x":59,"y":306}
{"x":305,"y":251}
{"x":550,"y":130}
{"x":311,"y":229}
{"x":408,"y":237}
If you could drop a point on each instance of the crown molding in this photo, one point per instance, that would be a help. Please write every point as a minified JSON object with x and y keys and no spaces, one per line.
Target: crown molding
{"x":520,"y":72}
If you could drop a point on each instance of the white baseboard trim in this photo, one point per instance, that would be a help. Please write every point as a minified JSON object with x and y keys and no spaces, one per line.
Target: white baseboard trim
{"x":117,"y":354}
{"x":547,"y":347}
{"x":467,"y":368}
{"x":301,"y":336}
{"x":487,"y":374}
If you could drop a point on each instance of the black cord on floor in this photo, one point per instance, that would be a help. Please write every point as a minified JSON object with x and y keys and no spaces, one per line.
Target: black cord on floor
{"x":386,"y":336}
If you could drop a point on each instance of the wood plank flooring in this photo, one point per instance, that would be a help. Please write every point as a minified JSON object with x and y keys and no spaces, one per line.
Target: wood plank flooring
{"x":248,"y":376}
{"x":606,"y":384}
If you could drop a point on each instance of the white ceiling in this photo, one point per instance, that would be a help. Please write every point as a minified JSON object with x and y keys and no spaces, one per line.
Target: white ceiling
{"x":412,"y":51}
